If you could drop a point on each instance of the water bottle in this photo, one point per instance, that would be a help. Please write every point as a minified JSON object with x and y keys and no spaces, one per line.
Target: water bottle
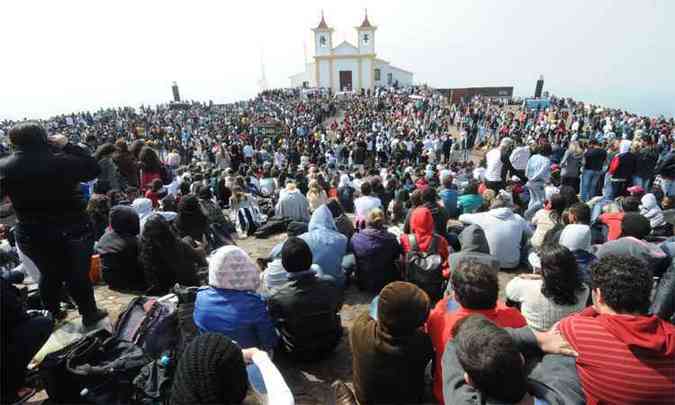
{"x":165,"y":360}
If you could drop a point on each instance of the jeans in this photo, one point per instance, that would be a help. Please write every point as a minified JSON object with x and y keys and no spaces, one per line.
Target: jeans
{"x":23,"y":341}
{"x":589,"y":183}
{"x":62,"y":253}
{"x":641,"y":182}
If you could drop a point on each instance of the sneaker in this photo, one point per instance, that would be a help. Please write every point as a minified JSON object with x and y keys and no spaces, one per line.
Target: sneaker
{"x":92,"y":319}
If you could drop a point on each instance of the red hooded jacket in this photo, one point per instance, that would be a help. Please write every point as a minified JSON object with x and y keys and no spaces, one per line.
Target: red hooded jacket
{"x":623,"y":359}
{"x":422,"y":226}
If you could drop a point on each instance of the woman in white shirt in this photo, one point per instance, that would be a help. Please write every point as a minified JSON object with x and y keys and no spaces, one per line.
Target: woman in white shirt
{"x":548,"y":297}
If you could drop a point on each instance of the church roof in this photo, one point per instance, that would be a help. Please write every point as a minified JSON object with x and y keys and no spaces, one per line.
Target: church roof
{"x":322,"y":25}
{"x":366,"y":23}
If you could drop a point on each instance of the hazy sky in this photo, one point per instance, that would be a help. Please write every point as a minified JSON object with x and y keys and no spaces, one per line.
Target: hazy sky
{"x":63,"y":56}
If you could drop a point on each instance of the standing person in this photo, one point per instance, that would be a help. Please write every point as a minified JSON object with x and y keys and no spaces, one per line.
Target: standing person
{"x":55,"y":232}
{"x":622,"y":168}
{"x":571,"y":163}
{"x":151,"y":168}
{"x":109,"y":171}
{"x":594,"y":159}
{"x":666,"y":168}
{"x":647,"y":157}
{"x":538,"y":173}
{"x":126,"y":164}
{"x":493,"y":171}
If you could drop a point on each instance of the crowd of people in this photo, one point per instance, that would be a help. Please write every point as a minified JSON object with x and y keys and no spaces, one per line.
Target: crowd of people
{"x":420,"y":203}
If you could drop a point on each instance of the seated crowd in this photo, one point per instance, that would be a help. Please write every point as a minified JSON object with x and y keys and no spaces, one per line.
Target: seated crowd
{"x":586,"y":315}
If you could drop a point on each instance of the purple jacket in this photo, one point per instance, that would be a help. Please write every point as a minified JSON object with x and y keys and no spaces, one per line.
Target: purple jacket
{"x":377,"y":255}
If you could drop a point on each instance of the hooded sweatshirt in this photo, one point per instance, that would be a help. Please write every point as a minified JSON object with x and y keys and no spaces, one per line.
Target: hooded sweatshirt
{"x":623,"y":359}
{"x":118,"y":249}
{"x":327,"y":244}
{"x":422,"y":227}
{"x":391,"y":353}
{"x":504,"y":231}
{"x":474,"y":247}
{"x":650,"y":209}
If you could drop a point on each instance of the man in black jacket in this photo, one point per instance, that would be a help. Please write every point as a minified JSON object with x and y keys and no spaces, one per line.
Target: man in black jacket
{"x":666,"y":168}
{"x":306,"y":308}
{"x":42,"y":179}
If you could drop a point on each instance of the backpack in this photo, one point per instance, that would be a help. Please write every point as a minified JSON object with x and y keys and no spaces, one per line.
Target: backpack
{"x":424,"y":268}
{"x":98,"y":368}
{"x":149,"y":323}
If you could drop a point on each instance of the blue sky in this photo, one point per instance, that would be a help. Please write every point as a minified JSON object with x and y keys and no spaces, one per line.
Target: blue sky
{"x":63,"y":56}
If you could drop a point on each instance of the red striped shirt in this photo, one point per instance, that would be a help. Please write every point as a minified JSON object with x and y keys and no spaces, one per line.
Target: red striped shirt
{"x":610,"y":371}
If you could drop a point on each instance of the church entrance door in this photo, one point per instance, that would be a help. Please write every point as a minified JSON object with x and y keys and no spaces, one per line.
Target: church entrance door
{"x":346,"y":80}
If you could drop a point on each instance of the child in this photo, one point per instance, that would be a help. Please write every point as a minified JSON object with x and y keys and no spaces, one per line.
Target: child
{"x":155,"y":193}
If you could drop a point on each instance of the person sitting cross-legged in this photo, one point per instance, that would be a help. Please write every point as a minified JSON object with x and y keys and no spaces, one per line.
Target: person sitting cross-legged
{"x":476,"y":288}
{"x":306,"y":308}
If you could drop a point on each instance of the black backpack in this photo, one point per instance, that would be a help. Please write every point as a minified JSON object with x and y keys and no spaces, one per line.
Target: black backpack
{"x":95,"y":369}
{"x":424,"y":268}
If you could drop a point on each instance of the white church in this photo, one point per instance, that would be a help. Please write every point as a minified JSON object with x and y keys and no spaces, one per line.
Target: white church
{"x":347,"y":67}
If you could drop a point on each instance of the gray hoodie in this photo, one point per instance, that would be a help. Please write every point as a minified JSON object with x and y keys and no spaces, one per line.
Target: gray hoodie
{"x":571,"y":164}
{"x":474,"y":247}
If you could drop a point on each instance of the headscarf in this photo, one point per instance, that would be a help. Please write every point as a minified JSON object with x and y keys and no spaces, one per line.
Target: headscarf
{"x":345,"y":181}
{"x":143,"y":207}
{"x":422,"y":226}
{"x":651,"y":210}
{"x":124,"y":221}
{"x":624,"y":146}
{"x":191,"y":219}
{"x":232,"y":269}
{"x":402,"y":307}
{"x":210,"y":371}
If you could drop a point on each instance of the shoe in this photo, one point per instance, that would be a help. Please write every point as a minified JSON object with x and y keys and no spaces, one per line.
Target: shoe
{"x":343,"y":394}
{"x":92,"y":319}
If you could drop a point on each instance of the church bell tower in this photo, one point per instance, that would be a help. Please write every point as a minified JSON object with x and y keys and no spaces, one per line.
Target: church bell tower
{"x":366,"y":35}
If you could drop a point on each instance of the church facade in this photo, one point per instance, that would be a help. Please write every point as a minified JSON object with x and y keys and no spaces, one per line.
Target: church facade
{"x":347,"y":67}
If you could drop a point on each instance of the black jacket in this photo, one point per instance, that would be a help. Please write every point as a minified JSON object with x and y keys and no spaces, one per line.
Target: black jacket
{"x":594,"y":158}
{"x":12,"y":309}
{"x":307,"y":311}
{"x":666,"y":167}
{"x":45,"y":186}
{"x":120,"y":264}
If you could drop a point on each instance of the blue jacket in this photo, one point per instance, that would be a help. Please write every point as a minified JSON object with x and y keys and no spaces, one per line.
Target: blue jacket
{"x":449,"y":198}
{"x":240,"y":315}
{"x":327,"y":244}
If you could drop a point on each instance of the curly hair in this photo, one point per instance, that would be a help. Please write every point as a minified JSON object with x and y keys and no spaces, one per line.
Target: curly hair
{"x":625,"y":283}
{"x":561,"y":275}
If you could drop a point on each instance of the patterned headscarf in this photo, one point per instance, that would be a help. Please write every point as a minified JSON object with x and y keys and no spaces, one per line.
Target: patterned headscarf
{"x":231,"y":268}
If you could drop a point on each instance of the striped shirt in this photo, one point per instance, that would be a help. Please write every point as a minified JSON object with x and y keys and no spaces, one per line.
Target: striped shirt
{"x":611,"y":371}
